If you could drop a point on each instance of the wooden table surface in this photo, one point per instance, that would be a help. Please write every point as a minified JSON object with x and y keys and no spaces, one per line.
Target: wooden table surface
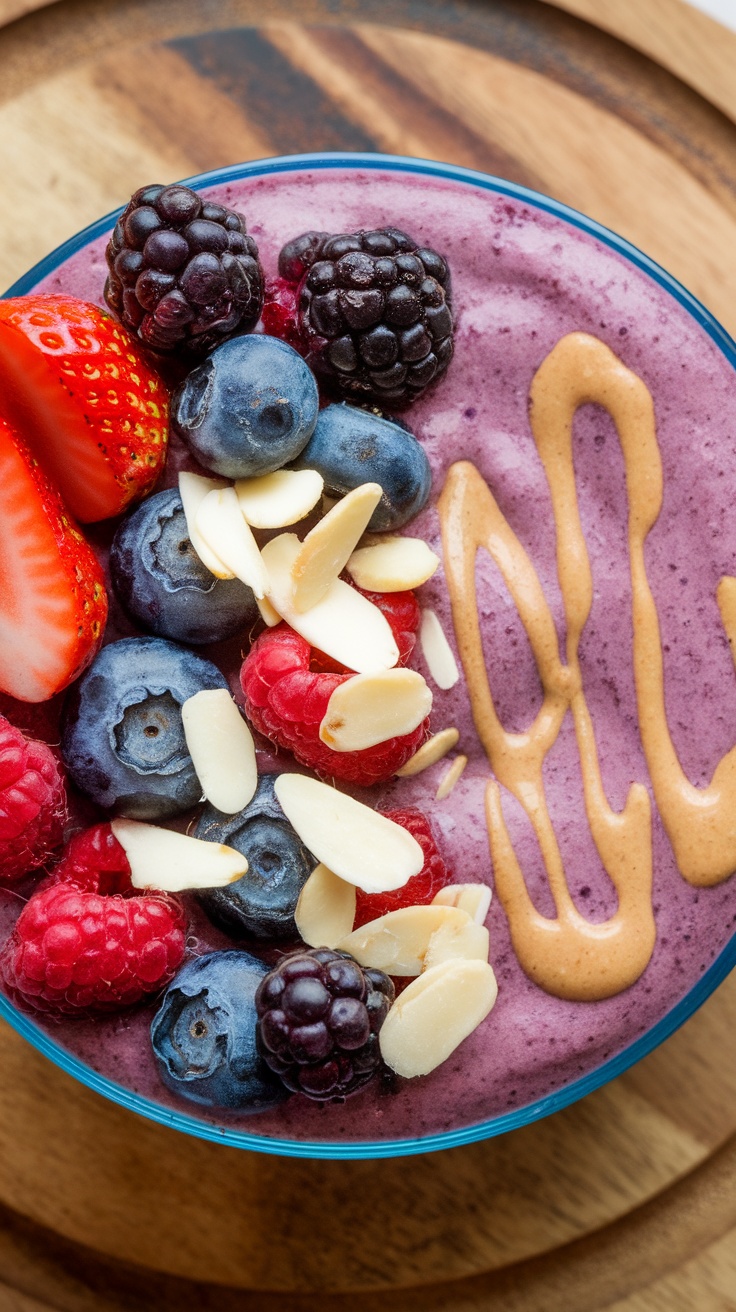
{"x":626,"y":1201}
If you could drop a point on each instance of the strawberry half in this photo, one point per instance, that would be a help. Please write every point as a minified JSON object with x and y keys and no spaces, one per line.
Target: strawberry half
{"x":53,"y":603}
{"x":80,"y":390}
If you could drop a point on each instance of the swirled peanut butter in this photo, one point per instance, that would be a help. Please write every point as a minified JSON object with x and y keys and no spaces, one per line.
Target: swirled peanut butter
{"x":568,"y":955}
{"x":700,"y":822}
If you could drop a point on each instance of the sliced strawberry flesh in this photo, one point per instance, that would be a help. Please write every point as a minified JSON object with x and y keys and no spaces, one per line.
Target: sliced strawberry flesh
{"x":52,"y":594}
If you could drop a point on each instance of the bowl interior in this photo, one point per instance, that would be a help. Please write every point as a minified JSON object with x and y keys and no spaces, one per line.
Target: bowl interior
{"x":525,"y":270}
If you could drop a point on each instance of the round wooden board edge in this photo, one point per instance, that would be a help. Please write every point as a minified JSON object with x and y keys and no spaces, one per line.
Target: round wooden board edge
{"x":697,"y":49}
{"x":618,"y":1261}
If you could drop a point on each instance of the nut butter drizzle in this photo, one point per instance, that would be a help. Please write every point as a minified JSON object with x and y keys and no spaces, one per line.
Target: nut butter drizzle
{"x":567,"y":956}
{"x":700,"y":822}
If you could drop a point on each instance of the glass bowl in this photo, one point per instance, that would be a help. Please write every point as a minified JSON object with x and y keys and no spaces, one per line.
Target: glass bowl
{"x":629,"y":294}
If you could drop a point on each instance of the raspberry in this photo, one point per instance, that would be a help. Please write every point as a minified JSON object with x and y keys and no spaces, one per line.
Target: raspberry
{"x":184,"y":274}
{"x":85,"y":941}
{"x":374,"y":312}
{"x":288,"y":684}
{"x":422,"y":888}
{"x":32,"y":803}
{"x":319,"y":1014}
{"x":280,"y":317}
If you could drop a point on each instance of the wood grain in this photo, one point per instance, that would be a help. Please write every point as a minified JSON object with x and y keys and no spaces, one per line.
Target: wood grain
{"x":626,"y":1200}
{"x":690,"y":44}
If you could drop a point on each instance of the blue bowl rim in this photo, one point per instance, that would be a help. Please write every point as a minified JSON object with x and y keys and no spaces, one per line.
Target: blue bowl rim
{"x":717,"y":971}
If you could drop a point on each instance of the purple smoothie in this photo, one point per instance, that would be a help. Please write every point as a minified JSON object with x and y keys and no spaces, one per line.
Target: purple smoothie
{"x":522,"y":278}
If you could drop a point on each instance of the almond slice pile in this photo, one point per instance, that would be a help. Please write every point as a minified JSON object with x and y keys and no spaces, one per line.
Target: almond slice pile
{"x":169,"y":862}
{"x":443,"y":945}
{"x":298,"y":581}
{"x":344,"y":624}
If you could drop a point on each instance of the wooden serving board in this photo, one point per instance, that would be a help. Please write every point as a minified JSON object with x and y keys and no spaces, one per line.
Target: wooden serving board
{"x":627,"y":1200}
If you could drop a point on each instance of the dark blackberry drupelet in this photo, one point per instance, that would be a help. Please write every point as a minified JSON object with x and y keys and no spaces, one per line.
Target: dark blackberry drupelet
{"x":373,"y":310}
{"x":184,"y":274}
{"x":319,"y":1014}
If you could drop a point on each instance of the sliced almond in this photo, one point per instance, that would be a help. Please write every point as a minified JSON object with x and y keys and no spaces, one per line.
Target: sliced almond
{"x":437,"y":651}
{"x":173,"y":863}
{"x":344,"y":624}
{"x":430,"y":753}
{"x":473,"y":898}
{"x":326,"y":909}
{"x":450,"y":778}
{"x":393,"y":565}
{"x":325,"y":551}
{"x":434,"y":1014}
{"x":398,"y":941}
{"x":222,"y":749}
{"x":221,"y":525}
{"x":454,"y":941}
{"x":279,"y":499}
{"x":193,"y":489}
{"x":371,"y":708}
{"x":269,"y":616}
{"x":354,"y":841}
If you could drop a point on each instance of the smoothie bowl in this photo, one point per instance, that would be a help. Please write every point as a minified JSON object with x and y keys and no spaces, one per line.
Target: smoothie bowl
{"x":509,"y":456}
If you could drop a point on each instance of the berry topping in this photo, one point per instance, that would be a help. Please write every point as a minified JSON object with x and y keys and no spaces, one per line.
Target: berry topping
{"x":421,"y":888}
{"x":374,"y":312}
{"x":248,"y":409}
{"x":163,"y":584}
{"x":261,"y":904}
{"x":184,"y":274}
{"x":319,"y":1018}
{"x":84,"y":942}
{"x":204,"y":1035}
{"x":288,"y":685}
{"x":52,"y":591}
{"x":80,"y":390}
{"x":32,"y":803}
{"x":123,"y":739}
{"x":350,"y":447}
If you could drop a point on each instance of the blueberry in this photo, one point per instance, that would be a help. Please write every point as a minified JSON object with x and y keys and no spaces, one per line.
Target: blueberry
{"x":163,"y":584}
{"x":351,"y":446}
{"x":204,"y":1034}
{"x":262,"y":903}
{"x":248,"y":409}
{"x":122,"y":735}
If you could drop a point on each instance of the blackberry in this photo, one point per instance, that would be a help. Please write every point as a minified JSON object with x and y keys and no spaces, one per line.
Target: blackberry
{"x":319,"y":1014}
{"x":374,"y":312}
{"x":184,"y":274}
